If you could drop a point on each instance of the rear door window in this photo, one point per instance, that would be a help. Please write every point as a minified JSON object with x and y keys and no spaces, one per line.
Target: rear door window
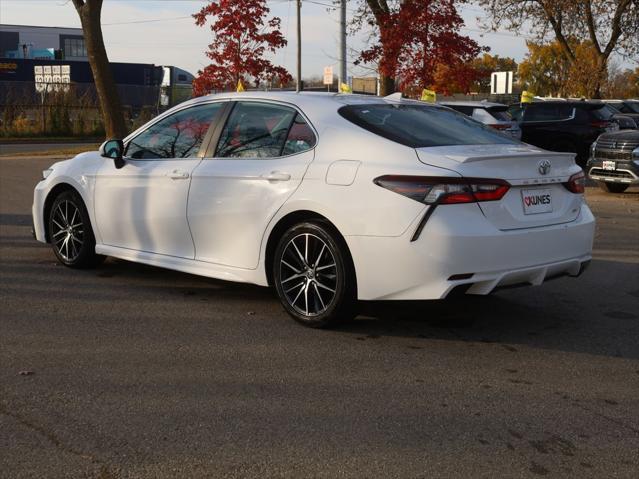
{"x":300,"y":137}
{"x":548,"y":112}
{"x":256,"y":130}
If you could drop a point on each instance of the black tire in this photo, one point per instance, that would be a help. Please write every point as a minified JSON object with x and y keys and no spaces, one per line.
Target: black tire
{"x":70,"y":232}
{"x":613,"y":187}
{"x":312,"y":291}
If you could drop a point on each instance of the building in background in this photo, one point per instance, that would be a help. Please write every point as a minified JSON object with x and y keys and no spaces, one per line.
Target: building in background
{"x":32,"y":42}
{"x":54,"y":56}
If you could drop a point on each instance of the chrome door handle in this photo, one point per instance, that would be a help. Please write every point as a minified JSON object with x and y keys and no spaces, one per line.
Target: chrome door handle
{"x":178,"y":175}
{"x":276,"y":176}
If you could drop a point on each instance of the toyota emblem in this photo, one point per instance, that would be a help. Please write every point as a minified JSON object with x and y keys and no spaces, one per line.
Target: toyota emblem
{"x":544,"y":167}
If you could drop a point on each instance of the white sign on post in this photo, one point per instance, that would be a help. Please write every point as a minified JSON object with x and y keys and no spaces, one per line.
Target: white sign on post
{"x":328,"y":75}
{"x":501,"y":83}
{"x":52,"y":77}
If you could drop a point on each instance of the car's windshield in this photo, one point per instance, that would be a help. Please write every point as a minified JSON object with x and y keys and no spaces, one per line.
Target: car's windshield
{"x":420,"y":126}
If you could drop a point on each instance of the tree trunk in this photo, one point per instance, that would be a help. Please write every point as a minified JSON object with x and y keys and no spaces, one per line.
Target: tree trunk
{"x":89,"y":12}
{"x":386,"y":85}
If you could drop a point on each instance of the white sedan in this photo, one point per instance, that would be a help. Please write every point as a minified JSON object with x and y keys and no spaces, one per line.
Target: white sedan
{"x":330,"y":199}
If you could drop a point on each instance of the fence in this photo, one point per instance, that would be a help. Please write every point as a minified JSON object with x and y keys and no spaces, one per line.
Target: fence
{"x":68,"y":109}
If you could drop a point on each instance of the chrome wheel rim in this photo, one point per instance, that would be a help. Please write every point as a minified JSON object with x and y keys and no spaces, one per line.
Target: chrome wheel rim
{"x":67,"y":230}
{"x":308,"y":274}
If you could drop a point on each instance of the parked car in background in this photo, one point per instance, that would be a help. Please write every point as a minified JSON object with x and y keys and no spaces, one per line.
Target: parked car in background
{"x":564,"y":125}
{"x":629,"y":108}
{"x":614,"y":161}
{"x":327,"y":198}
{"x":495,"y":115}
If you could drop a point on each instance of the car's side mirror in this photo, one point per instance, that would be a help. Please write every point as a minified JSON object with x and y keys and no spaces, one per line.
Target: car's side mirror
{"x":113,"y":149}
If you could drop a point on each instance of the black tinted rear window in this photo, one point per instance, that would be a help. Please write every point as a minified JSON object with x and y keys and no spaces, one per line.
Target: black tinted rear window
{"x":420,"y":126}
{"x":606,"y":112}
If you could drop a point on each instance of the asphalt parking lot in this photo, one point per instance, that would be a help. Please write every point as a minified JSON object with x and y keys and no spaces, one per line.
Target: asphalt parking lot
{"x":128,"y":371}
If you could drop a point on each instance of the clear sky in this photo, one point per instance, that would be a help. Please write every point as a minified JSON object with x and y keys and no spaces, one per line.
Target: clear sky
{"x":162,"y":31}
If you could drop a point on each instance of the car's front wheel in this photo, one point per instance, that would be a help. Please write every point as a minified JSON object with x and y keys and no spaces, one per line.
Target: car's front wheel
{"x":613,"y":187}
{"x":70,"y":232}
{"x":313,"y":275}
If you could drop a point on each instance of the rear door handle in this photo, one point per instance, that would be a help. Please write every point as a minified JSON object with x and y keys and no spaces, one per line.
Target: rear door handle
{"x":276,"y":176}
{"x":178,"y":175}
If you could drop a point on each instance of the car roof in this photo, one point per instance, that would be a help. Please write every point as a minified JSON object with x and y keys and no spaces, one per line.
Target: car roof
{"x":587,"y":104}
{"x":311,"y":103}
{"x":474,"y":104}
{"x":305,"y":97}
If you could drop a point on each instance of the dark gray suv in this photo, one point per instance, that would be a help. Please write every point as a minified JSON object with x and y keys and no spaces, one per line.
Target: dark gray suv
{"x":614,"y":161}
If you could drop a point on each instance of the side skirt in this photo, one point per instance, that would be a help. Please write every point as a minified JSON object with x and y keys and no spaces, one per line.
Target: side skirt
{"x":199,"y":268}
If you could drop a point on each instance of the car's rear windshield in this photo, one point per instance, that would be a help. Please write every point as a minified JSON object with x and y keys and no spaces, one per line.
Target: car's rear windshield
{"x":420,"y":126}
{"x":605,"y":112}
{"x":500,"y":113}
{"x":633,"y":106}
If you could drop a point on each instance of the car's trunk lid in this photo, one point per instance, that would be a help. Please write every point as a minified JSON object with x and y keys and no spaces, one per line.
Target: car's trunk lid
{"x":535,"y":199}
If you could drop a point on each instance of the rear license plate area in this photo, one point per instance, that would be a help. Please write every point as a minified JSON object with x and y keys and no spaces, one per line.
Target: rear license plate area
{"x":536,"y":201}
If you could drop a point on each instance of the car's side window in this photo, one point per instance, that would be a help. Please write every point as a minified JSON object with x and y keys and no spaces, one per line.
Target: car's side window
{"x":550,"y":112}
{"x":255,"y":130}
{"x":179,"y":135}
{"x":300,"y":137}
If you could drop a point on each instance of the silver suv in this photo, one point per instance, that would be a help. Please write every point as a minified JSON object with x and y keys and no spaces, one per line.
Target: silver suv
{"x":495,"y":115}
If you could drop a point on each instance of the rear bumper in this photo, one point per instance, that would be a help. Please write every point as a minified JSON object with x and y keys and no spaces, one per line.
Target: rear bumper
{"x":459,"y":247}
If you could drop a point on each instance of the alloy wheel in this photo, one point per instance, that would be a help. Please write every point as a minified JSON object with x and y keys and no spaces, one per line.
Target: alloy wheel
{"x":67,"y":230}
{"x":308,"y":274}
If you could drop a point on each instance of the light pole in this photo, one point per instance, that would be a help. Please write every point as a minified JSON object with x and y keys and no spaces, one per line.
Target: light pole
{"x":298,"y":83}
{"x":342,"y":43}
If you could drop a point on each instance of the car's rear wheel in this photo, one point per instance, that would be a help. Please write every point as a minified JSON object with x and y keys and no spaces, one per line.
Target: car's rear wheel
{"x":613,"y":187}
{"x":70,"y":232}
{"x":313,"y":275}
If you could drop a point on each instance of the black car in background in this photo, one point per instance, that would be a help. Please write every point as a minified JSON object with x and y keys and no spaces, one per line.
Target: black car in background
{"x":564,"y":125}
{"x":629,"y":108}
{"x":614,"y":161}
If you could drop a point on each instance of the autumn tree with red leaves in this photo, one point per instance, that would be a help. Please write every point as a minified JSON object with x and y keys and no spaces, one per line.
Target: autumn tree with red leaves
{"x":411,"y":38}
{"x":242,"y":37}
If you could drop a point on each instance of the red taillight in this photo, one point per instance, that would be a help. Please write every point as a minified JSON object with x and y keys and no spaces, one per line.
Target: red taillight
{"x":499,"y":126}
{"x":600,"y":124}
{"x":576,"y":183}
{"x":443,"y":190}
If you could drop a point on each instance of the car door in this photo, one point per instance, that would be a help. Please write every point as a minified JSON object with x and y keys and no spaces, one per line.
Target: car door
{"x":545,"y":124}
{"x":261,"y":156}
{"x":142,"y":206}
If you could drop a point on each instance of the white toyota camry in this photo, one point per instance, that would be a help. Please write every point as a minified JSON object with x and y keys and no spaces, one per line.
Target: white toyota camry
{"x":330,"y":199}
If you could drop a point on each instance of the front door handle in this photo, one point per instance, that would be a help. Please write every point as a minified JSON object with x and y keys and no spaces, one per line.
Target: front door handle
{"x":276,"y":176}
{"x":178,"y":175}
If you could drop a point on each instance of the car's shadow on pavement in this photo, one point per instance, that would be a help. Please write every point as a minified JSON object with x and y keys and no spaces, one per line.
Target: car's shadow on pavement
{"x":573,"y":315}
